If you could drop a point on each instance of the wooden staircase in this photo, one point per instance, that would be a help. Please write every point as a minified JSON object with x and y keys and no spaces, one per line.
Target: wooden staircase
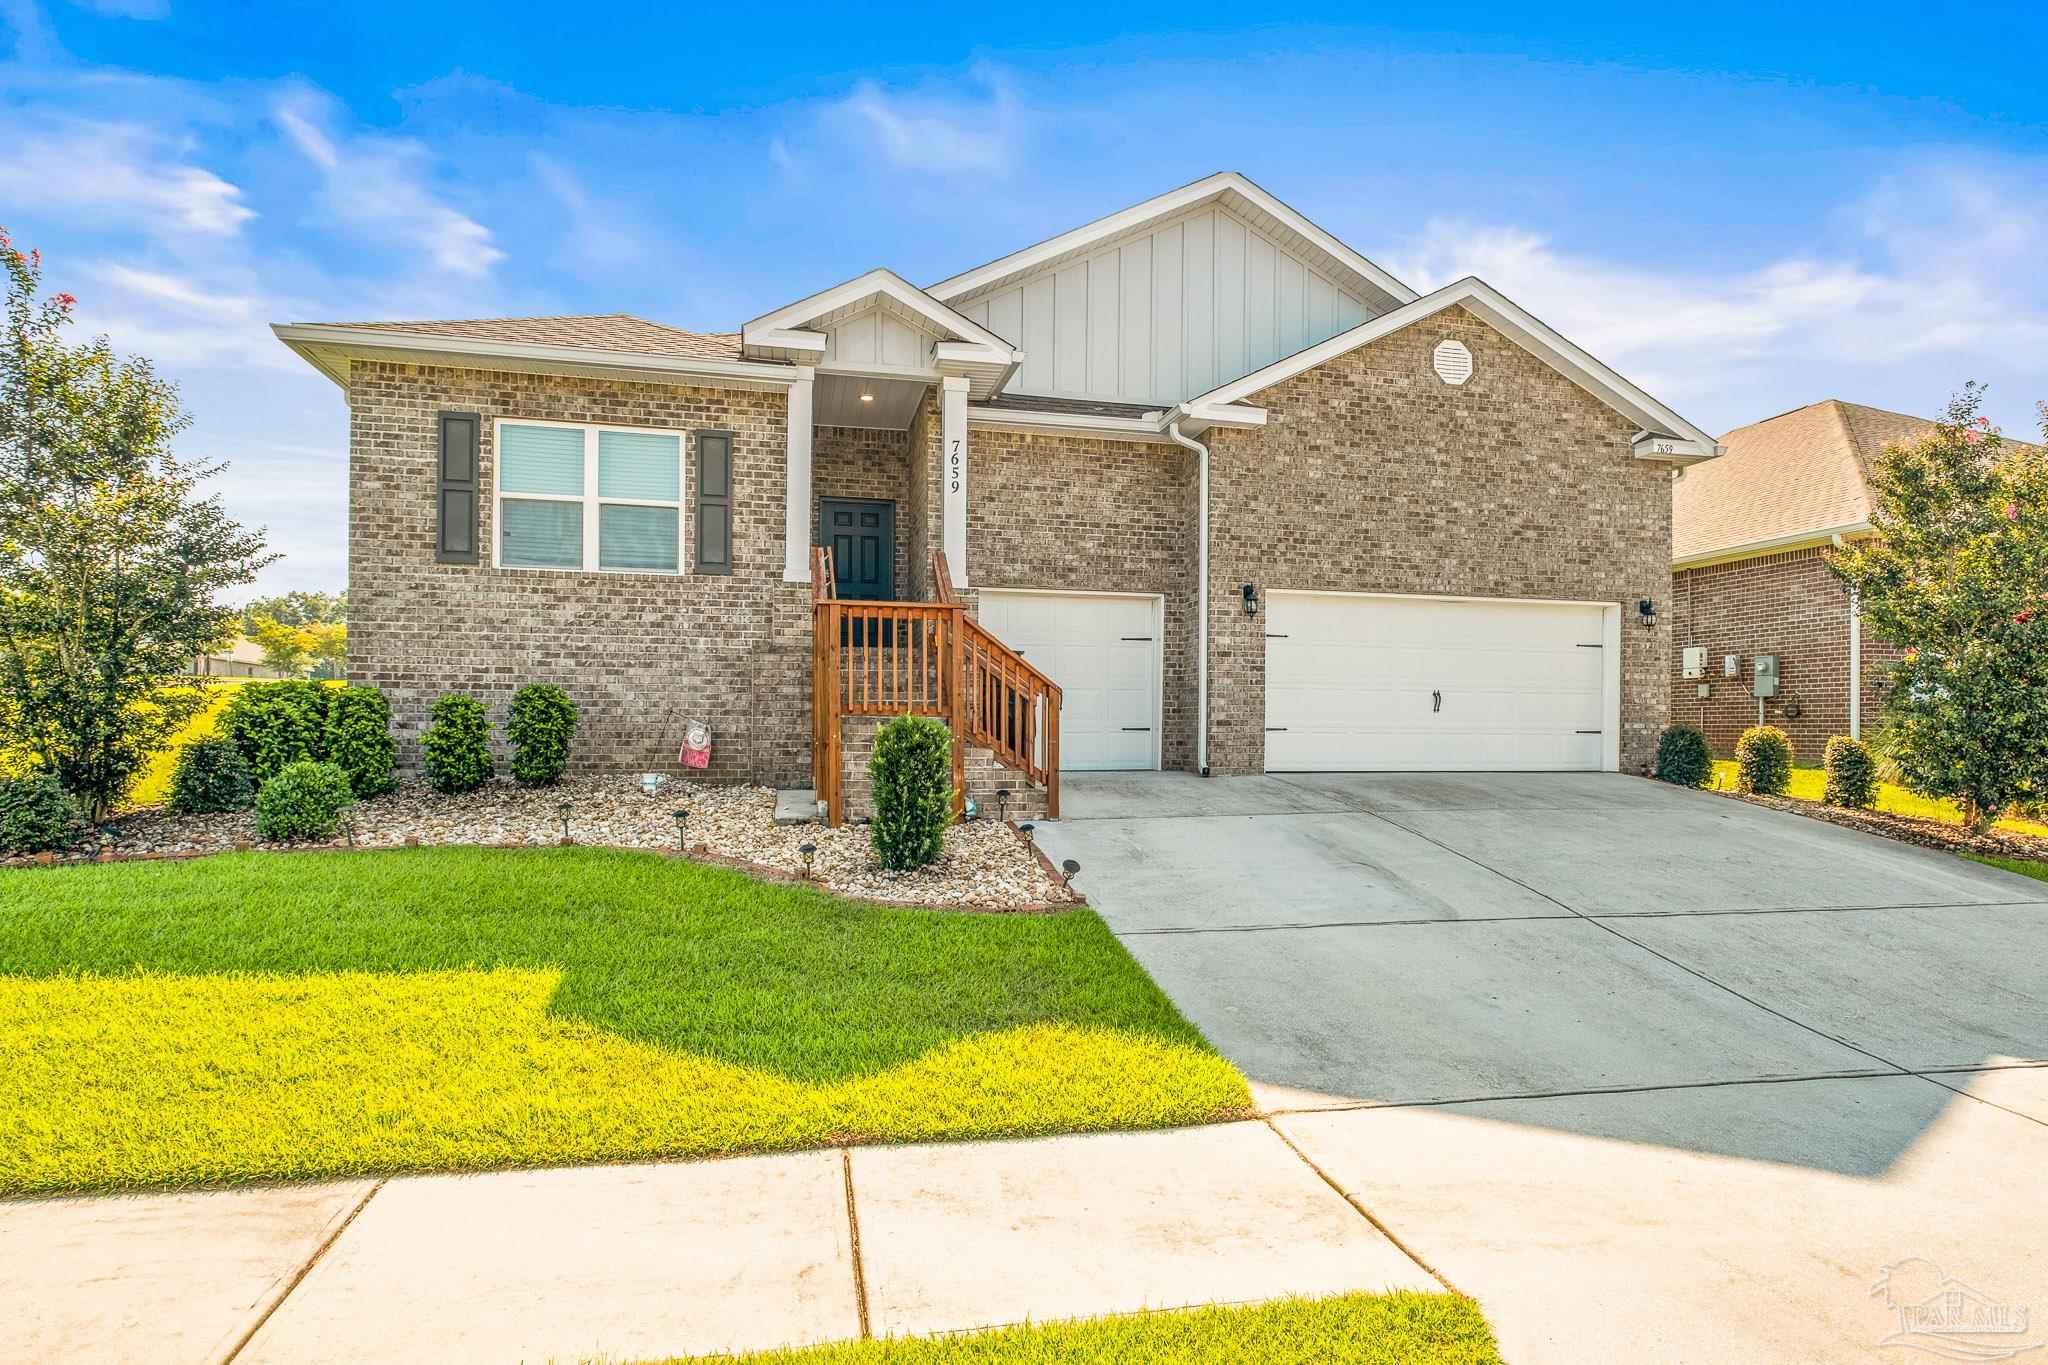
{"x":887,"y":659}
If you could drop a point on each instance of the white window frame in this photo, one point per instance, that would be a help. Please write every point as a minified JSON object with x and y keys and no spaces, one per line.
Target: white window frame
{"x":590,"y":498}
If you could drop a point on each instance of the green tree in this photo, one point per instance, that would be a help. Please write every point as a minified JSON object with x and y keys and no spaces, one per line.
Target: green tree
{"x":288,"y":649}
{"x":110,"y":560}
{"x":296,"y":608}
{"x":329,"y":642}
{"x":1958,"y":575}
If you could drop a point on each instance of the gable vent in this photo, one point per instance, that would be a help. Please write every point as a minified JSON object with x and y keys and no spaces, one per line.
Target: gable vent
{"x":1453,"y":363}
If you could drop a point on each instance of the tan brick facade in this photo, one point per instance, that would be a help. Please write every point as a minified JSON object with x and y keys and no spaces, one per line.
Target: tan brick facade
{"x":640,"y":653}
{"x":1373,"y":475}
{"x":1785,"y":604}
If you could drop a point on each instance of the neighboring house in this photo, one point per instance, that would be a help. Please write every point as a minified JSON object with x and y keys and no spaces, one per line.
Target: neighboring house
{"x":1748,"y":576}
{"x":242,"y":659}
{"x":1430,"y":524}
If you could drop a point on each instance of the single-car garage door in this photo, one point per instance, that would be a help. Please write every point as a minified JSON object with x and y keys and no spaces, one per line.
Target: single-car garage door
{"x":1103,"y":651}
{"x":1356,"y":682}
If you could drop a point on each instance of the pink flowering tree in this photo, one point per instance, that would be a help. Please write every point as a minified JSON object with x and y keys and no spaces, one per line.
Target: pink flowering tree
{"x":111,"y":560}
{"x":1958,"y":575}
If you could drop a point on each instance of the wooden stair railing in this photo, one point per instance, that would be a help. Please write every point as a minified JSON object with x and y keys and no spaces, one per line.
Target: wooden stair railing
{"x":924,"y":659}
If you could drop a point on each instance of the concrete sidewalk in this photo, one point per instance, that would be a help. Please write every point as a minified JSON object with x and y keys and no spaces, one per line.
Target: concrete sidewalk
{"x":645,"y":1261}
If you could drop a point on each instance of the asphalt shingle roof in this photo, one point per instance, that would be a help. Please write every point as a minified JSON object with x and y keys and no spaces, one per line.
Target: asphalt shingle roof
{"x":598,"y":331}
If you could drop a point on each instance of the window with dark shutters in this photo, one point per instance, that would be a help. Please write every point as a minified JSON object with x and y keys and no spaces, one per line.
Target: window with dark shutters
{"x":455,"y":533}
{"x":714,"y":502}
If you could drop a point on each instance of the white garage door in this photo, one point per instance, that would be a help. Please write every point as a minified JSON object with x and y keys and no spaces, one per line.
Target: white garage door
{"x":1103,"y":651}
{"x":1415,"y":684}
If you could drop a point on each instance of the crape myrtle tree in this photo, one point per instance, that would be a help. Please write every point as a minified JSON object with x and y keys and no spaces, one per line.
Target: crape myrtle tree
{"x":1957,"y":574}
{"x":111,"y":562}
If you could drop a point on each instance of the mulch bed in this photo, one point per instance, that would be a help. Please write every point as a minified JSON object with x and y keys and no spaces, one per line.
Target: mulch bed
{"x":1938,"y":834}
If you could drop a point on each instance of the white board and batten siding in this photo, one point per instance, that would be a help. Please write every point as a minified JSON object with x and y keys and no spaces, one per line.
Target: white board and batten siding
{"x":1360,"y":682}
{"x":1166,"y":314}
{"x":878,"y":337}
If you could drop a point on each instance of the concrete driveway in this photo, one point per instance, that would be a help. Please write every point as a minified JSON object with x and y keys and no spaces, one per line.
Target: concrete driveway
{"x":1652,"y":1073}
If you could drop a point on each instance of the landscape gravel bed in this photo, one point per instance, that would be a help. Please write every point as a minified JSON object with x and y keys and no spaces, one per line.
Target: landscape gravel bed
{"x":1994,"y":842}
{"x":987,"y":864}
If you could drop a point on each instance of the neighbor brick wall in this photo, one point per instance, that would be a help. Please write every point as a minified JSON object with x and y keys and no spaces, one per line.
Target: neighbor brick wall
{"x":856,"y":462}
{"x":1079,"y":514}
{"x":1373,"y":475}
{"x":641,"y":654}
{"x":1785,"y":604}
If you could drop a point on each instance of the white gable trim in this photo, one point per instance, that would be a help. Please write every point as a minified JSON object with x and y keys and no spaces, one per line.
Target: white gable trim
{"x":786,"y":326}
{"x":1161,"y":206}
{"x":1222,"y":406}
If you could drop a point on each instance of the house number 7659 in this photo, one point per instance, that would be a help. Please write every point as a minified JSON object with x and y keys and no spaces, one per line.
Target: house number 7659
{"x":953,"y":468}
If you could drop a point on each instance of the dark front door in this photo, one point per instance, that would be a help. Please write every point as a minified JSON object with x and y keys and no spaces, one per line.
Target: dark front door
{"x":862,"y":536}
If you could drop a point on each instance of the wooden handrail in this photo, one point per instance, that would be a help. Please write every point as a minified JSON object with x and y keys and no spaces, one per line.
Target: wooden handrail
{"x":1010,"y":707}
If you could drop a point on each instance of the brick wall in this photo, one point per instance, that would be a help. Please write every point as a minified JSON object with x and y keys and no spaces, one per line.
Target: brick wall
{"x":1080,"y":514}
{"x":1786,"y":604}
{"x":641,"y":654}
{"x":1373,"y":475}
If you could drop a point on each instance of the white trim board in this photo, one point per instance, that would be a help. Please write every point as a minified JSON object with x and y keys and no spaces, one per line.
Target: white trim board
{"x":798,"y":319}
{"x":320,"y":343}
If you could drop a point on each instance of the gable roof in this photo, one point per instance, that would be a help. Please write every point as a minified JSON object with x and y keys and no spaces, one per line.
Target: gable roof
{"x":1665,"y":435}
{"x":1228,"y":188}
{"x":1800,"y":477}
{"x":965,"y":348}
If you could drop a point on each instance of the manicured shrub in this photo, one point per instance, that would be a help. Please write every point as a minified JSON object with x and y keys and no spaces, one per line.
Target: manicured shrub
{"x":912,"y":769}
{"x":1852,"y":774}
{"x":303,"y":801}
{"x":211,"y":775}
{"x":1683,"y":757}
{"x":1763,"y":759}
{"x":540,"y":725}
{"x":458,"y":745}
{"x":36,"y":814}
{"x":359,"y":738}
{"x":276,"y":723}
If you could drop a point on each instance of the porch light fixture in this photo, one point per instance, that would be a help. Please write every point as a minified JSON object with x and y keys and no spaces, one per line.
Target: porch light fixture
{"x":1647,"y":610}
{"x":1251,"y":598}
{"x":682,"y":831}
{"x":867,"y":398}
{"x":809,"y":851}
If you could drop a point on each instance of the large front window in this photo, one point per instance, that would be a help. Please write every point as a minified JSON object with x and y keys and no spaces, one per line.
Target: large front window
{"x":588,"y":497}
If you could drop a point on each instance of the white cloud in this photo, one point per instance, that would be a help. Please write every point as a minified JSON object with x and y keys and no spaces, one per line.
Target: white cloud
{"x":86,"y":170}
{"x":939,"y":135}
{"x":181,"y":321}
{"x":380,"y":186}
{"x":600,"y":232}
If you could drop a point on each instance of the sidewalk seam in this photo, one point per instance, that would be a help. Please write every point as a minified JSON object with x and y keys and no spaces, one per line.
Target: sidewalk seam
{"x":1362,"y":1210}
{"x":242,"y":1342}
{"x":860,"y":1278}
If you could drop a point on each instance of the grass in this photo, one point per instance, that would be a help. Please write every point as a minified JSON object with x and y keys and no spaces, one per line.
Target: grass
{"x":1808,"y":784}
{"x":285,"y":1016}
{"x":1366,"y":1329}
{"x":2026,"y":867}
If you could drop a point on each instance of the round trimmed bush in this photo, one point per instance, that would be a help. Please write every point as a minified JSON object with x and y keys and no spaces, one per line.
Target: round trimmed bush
{"x":277,"y":723}
{"x":1763,"y":758}
{"x":540,"y":725}
{"x":211,"y":775}
{"x":1683,"y":757}
{"x":304,"y":801}
{"x":1852,"y":774}
{"x":457,"y":748}
{"x":359,"y":738}
{"x":36,"y":814}
{"x":912,"y":769}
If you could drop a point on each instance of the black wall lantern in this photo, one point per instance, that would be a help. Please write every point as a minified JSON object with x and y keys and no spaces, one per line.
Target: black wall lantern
{"x":1251,"y":599}
{"x":1647,"y":610}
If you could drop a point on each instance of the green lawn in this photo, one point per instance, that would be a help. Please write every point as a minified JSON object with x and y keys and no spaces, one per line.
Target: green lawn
{"x":1809,"y":783}
{"x":1361,"y":1329}
{"x":262,"y":1016}
{"x":2026,"y":867}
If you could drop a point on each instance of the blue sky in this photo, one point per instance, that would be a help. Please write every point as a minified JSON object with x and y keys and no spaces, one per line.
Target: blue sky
{"x":1744,"y":211}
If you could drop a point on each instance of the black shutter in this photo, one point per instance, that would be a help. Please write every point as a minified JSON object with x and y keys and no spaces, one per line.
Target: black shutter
{"x":714,"y":502}
{"x":455,"y":535}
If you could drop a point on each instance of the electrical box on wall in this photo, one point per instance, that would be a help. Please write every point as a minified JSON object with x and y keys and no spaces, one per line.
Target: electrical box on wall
{"x":1763,"y":679}
{"x":1731,"y":665}
{"x":1695,"y":661}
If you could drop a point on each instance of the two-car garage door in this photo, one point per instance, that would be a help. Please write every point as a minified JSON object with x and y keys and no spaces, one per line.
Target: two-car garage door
{"x":1356,"y":682}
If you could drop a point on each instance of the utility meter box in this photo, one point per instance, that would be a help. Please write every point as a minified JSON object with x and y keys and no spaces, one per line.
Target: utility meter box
{"x":1695,"y":661}
{"x":1731,"y":665}
{"x":1763,"y":677}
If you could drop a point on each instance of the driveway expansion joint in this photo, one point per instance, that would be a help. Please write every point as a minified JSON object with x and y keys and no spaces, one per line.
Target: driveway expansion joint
{"x":1363,"y":1212}
{"x":860,"y":1279}
{"x":299,"y":1277}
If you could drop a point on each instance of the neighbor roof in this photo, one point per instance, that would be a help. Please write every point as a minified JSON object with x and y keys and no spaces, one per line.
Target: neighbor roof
{"x":1799,"y":477}
{"x":599,"y":331}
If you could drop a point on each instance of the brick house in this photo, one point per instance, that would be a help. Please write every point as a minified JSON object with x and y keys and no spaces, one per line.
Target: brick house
{"x":1209,"y":491}
{"x":1749,"y":577}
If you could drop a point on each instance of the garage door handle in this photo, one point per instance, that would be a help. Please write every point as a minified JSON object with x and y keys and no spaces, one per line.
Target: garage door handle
{"x":1137,"y":639}
{"x":1138,"y":729}
{"x":1437,"y":703}
{"x":1271,"y":636}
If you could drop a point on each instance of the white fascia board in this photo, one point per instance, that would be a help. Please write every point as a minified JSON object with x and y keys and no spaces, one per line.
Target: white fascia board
{"x":786,"y":339}
{"x":379,"y":343}
{"x":1648,"y":445}
{"x":1505,"y":316}
{"x":1150,"y":428}
{"x":973,"y":353}
{"x":1801,"y":540}
{"x":1164,"y":205}
{"x":800,"y":314}
{"x":1196,"y":416}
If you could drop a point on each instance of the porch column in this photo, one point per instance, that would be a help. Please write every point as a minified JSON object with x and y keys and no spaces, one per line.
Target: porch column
{"x":796,"y":557}
{"x":953,"y":473}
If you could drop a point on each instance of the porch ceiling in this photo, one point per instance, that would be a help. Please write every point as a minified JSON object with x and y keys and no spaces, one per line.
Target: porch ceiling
{"x":892,"y":405}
